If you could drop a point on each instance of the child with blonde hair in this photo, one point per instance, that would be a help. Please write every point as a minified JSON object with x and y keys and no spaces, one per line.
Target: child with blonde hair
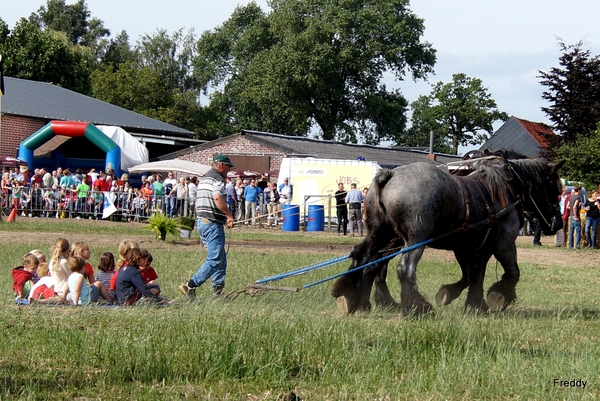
{"x":59,"y":267}
{"x":79,"y":292}
{"x":22,"y":278}
{"x":43,"y":290}
{"x":124,"y":247}
{"x":82,"y":250}
{"x":41,"y":258}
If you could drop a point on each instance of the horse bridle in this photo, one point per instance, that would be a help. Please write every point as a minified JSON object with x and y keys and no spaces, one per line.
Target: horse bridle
{"x":511,"y":168}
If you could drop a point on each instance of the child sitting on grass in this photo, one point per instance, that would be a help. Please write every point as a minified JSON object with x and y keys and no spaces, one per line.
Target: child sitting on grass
{"x":42,"y":259}
{"x":79,"y":292}
{"x":82,"y":250}
{"x":148,"y":273}
{"x":130,"y":284}
{"x":106,"y":269}
{"x":124,"y":247}
{"x":22,"y":278}
{"x":43,"y":290}
{"x":59,"y":267}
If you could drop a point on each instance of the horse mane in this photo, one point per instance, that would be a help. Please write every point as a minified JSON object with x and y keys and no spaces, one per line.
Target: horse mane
{"x":489,"y":176}
{"x":495,"y":176}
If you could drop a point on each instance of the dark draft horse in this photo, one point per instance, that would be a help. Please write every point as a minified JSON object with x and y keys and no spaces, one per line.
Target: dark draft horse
{"x":476,"y":216}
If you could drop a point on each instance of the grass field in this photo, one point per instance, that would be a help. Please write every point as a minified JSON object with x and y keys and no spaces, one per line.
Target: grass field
{"x":265,"y":348}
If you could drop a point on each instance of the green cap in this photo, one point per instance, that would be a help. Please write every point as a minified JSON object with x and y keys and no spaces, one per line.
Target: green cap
{"x":221,"y":158}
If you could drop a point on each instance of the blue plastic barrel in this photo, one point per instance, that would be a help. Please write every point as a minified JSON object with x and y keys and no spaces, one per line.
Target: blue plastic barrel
{"x":316,"y":218}
{"x":291,"y":217}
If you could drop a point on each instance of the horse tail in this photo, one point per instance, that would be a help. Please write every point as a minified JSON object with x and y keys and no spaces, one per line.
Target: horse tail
{"x":381,"y":178}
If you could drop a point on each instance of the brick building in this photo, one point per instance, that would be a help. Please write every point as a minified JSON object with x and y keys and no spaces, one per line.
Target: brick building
{"x":27,"y":106}
{"x":262,"y":151}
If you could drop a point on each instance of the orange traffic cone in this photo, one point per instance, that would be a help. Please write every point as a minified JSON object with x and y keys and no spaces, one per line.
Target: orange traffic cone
{"x":12,"y":216}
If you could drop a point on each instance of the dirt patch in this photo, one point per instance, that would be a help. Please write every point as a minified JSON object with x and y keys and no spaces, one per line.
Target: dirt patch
{"x":546,"y":255}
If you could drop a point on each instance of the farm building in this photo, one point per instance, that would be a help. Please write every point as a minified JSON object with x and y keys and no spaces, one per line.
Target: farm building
{"x":524,"y":137}
{"x":262,"y":151}
{"x":27,"y":106}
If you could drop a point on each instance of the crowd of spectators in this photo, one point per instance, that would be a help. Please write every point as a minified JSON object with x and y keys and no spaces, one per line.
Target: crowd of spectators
{"x":64,"y":193}
{"x":78,"y":194}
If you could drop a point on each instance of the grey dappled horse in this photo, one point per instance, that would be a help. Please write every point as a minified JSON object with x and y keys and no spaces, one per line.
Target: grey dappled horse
{"x":476,"y":216}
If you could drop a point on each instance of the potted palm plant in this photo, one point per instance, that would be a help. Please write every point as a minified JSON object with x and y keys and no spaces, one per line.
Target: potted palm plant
{"x":161,"y":225}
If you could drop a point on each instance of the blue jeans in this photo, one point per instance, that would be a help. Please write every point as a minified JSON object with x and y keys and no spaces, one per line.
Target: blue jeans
{"x":591,"y":227}
{"x":215,"y":265}
{"x":574,"y":225}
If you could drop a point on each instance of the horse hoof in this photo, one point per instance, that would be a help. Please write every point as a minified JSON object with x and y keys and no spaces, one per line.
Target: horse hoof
{"x":442,"y":298}
{"x":418,"y":310}
{"x":342,"y":305}
{"x":496,"y":302}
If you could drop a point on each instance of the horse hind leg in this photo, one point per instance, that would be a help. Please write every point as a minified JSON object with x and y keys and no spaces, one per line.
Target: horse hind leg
{"x":383,"y":298}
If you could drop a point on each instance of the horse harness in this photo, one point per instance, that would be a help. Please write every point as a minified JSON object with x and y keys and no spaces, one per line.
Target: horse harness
{"x":490,"y":221}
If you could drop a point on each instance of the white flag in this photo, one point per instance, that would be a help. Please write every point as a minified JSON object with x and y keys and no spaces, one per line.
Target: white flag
{"x":109,"y":206}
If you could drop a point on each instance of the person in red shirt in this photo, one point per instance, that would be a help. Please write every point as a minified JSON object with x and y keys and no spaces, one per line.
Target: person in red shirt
{"x":23,"y":276}
{"x":148,"y":273}
{"x":99,"y":187}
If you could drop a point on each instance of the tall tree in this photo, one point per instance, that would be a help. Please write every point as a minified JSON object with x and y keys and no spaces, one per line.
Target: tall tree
{"x":581,"y":158}
{"x":46,"y":56}
{"x":316,"y":63}
{"x":462,"y":111}
{"x":155,"y":79}
{"x":76,"y":22}
{"x":573,"y":90}
{"x":118,"y":51}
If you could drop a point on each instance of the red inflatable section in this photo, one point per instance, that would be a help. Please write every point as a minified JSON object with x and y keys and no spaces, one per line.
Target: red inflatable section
{"x":69,"y":128}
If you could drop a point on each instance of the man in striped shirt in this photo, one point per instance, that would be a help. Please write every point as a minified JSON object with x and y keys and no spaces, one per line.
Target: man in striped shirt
{"x":212,"y":214}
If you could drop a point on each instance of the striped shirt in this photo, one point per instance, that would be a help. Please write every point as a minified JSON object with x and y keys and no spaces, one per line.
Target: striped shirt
{"x":208,"y":186}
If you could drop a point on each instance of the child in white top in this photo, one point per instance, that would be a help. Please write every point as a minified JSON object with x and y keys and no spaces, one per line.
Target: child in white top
{"x":79,"y":292}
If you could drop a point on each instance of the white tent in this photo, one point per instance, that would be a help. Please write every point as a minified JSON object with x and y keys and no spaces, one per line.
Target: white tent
{"x":180,"y":166}
{"x":132,"y":151}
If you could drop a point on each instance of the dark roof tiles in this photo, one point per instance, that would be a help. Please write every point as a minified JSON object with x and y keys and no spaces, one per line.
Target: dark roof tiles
{"x":43,"y":100}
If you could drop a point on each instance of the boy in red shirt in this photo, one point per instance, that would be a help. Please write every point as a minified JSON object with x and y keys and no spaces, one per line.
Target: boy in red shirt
{"x":148,"y":273}
{"x":23,"y":276}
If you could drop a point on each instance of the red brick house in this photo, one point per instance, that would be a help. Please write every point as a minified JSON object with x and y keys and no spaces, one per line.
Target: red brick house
{"x":27,"y":106}
{"x":262,"y":151}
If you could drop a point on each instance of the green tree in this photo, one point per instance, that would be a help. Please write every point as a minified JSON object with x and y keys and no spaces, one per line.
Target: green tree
{"x":131,"y":87}
{"x":46,"y":56}
{"x":154,"y":79}
{"x":581,"y":158}
{"x":75,"y":21}
{"x":315,"y":63}
{"x":573,"y":91}
{"x":118,"y":51}
{"x":462,"y":111}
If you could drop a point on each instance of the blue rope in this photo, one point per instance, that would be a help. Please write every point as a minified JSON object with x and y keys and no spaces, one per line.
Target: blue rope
{"x":302,"y":270}
{"x":393,"y":255}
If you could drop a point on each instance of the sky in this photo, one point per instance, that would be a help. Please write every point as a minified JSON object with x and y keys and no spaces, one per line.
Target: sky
{"x":505,"y":43}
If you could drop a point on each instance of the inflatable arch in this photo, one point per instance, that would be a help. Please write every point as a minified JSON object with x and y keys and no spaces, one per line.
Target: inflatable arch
{"x":72,"y":129}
